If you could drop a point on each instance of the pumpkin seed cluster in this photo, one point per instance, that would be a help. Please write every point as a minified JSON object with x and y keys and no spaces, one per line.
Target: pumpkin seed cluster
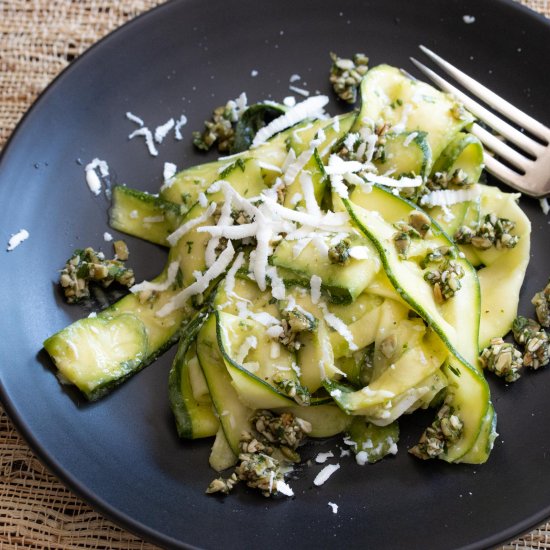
{"x":258,"y":467}
{"x":444,"y":431}
{"x":502,"y":358}
{"x":492,"y":231}
{"x":88,"y":266}
{"x":346,"y":75}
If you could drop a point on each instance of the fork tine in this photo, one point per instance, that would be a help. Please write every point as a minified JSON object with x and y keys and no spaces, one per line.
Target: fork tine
{"x":503,"y":128}
{"x":496,"y":102}
{"x":500,"y":148}
{"x":508,"y":176}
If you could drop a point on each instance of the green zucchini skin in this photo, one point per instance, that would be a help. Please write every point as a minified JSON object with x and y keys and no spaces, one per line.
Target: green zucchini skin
{"x":234,"y":416}
{"x":157,"y":339}
{"x":468,"y":388}
{"x":192,"y":419}
{"x":387,"y":91}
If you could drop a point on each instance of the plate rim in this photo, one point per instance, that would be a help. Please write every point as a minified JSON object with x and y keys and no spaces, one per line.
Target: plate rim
{"x":95,"y":501}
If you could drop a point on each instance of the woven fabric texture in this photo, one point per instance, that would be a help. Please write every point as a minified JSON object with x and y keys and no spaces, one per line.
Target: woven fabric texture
{"x":38,"y":39}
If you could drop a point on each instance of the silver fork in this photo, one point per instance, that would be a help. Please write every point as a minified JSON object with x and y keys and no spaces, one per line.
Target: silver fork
{"x":531,"y":177}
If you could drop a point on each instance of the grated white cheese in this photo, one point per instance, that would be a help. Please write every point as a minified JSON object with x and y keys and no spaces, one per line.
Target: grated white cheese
{"x":169,"y":172}
{"x":339,"y":326}
{"x":321,"y":458}
{"x":203,"y":201}
{"x":334,"y":507}
{"x":544,"y":205}
{"x":134,"y":118}
{"x":107,"y":236}
{"x":180,"y":123}
{"x":146,"y":133}
{"x":339,"y":166}
{"x":171,"y":275}
{"x":262,"y":317}
{"x":295,"y":199}
{"x":468,"y":19}
{"x":134,"y":214}
{"x":278,"y":290}
{"x":294,"y":168}
{"x":201,"y":283}
{"x":274,"y":331}
{"x":271,"y":167}
{"x":315,"y":286}
{"x":174,"y":237}
{"x":409,"y":139}
{"x":162,"y":131}
{"x":275,"y":350}
{"x":284,"y":489}
{"x":448,"y":197}
{"x":350,"y":140}
{"x":253,"y":73}
{"x":229,"y":282}
{"x":250,"y":342}
{"x":325,"y":473}
{"x":383,"y":394}
{"x":390,"y":182}
{"x":359,"y":252}
{"x":92,"y":178}
{"x":289,"y":101}
{"x":225,"y":219}
{"x":306,"y":182}
{"x":16,"y":239}
{"x":300,"y":91}
{"x":311,"y":107}
{"x":294,"y":78}
{"x":362,"y":458}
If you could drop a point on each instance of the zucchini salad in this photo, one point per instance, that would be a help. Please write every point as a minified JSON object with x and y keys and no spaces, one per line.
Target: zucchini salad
{"x":329,"y":276}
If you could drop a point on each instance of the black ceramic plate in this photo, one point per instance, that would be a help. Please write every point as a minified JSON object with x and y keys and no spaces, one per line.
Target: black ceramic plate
{"x":122,"y":454}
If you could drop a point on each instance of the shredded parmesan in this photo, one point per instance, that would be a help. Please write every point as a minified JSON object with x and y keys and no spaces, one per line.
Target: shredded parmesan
{"x":334,"y":507}
{"x":229,"y":283}
{"x":306,"y":182}
{"x":169,"y":172}
{"x":359,"y":252}
{"x":182,"y":121}
{"x":250,"y":342}
{"x":448,"y":197}
{"x":391,"y":182}
{"x":289,"y":101}
{"x":162,"y":131}
{"x":16,"y":239}
{"x":92,"y":178}
{"x":134,"y":118}
{"x":202,"y":282}
{"x":311,"y":107}
{"x":325,"y":473}
{"x":315,"y":287}
{"x":339,"y":326}
{"x":321,"y":458}
{"x":146,"y":133}
{"x":409,"y":139}
{"x":284,"y":489}
{"x":278,"y":290}
{"x":300,"y":91}
{"x":174,"y":237}
{"x":171,"y":275}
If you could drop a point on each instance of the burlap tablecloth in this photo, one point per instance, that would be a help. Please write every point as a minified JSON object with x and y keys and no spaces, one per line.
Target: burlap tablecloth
{"x":37,"y":40}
